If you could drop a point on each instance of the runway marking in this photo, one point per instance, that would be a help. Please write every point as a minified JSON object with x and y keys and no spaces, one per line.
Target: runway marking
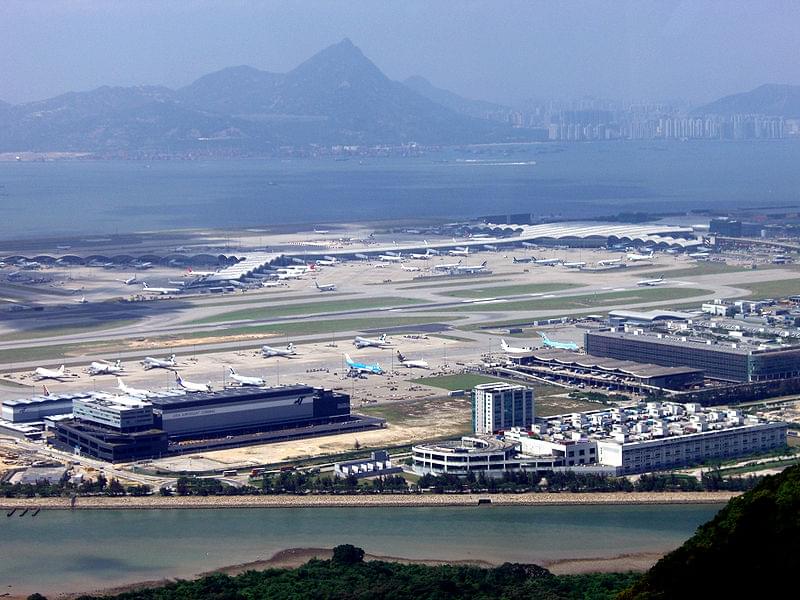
{"x":620,"y":289}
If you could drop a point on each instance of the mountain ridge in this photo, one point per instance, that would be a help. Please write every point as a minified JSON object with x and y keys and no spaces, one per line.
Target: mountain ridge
{"x":771,"y":99}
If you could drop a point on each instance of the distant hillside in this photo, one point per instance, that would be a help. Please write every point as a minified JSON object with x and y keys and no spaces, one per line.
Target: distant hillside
{"x":338,"y":96}
{"x":751,"y":549}
{"x":474,"y":108}
{"x":777,"y":100}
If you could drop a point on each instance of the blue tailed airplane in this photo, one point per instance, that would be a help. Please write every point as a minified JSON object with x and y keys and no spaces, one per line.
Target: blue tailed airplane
{"x":547,"y":342}
{"x":363,"y":368}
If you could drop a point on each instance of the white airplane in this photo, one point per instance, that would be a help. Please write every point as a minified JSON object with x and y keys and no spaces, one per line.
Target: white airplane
{"x":459,"y":252}
{"x":243,"y":380}
{"x":105,"y":368}
{"x":192,"y":273}
{"x":635,"y":257}
{"x":418,"y":256}
{"x":82,"y":300}
{"x":289,"y":275}
{"x":446,"y":266}
{"x":131,"y":391}
{"x":156,"y":363}
{"x":429,"y":250}
{"x":573,"y":265}
{"x":327,"y":262}
{"x":56,"y":374}
{"x":178,"y":283}
{"x":547,"y":262}
{"x":159,"y":290}
{"x":190,"y":386}
{"x":514,"y":349}
{"x":390,"y":258}
{"x":128,"y":281}
{"x":362,"y":342}
{"x":698,"y":255}
{"x":650,"y":282}
{"x":607,"y":262}
{"x":409,"y":268}
{"x":272,"y":284}
{"x":322,"y":231}
{"x":268,"y":351}
{"x":471,"y":268}
{"x":412,"y":364}
{"x":326,"y":287}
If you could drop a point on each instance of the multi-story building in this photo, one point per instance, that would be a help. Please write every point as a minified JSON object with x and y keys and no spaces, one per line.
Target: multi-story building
{"x":500,"y":406}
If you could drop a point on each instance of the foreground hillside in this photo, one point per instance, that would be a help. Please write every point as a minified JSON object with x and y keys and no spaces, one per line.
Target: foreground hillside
{"x":751,"y":548}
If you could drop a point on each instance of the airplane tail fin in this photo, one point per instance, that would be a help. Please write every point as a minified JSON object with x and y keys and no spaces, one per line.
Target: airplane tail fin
{"x":290,"y":347}
{"x":145,"y":286}
{"x":118,"y":363}
{"x":503,"y":344}
{"x":231,"y":371}
{"x":383,"y":337}
{"x":172,"y":357}
{"x":400,"y":356}
{"x":316,"y":283}
{"x":60,"y":370}
{"x":483,"y":264}
{"x":347,"y":359}
{"x":45,"y":391}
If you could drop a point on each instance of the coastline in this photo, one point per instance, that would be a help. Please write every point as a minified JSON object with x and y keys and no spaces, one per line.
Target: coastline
{"x":386,"y":500}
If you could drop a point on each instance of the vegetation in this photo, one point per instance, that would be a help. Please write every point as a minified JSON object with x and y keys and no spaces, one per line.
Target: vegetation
{"x":347,"y":576}
{"x":779,"y":288}
{"x":463,"y":381}
{"x":701,"y":268}
{"x":100,"y":486}
{"x":751,"y":549}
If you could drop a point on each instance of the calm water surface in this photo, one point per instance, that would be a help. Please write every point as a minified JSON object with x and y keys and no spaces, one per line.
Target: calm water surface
{"x":83,"y":550}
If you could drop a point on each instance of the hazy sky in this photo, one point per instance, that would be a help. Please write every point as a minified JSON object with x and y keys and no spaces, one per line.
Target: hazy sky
{"x":491,"y":49}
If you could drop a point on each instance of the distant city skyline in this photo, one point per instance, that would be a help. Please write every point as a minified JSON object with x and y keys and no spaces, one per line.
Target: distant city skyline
{"x":502,"y":52}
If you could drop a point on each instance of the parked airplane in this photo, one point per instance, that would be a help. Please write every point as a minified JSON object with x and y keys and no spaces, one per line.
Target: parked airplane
{"x":635,"y":257}
{"x":519,"y":261}
{"x":243,"y":380}
{"x":131,"y":391}
{"x":390,"y":258}
{"x":192,"y":273}
{"x":650,"y":282}
{"x":412,"y":364}
{"x":548,"y":343}
{"x":322,"y":231}
{"x":699,"y":255}
{"x":362,"y":367}
{"x":446,"y":266}
{"x":142,"y":265}
{"x":268,"y":351}
{"x":512,"y":349}
{"x":327,"y":262}
{"x":157,"y":363}
{"x":56,"y":374}
{"x":573,"y":265}
{"x":429,"y":250}
{"x":607,"y":262}
{"x":159,"y":290}
{"x":190,"y":386}
{"x":471,"y":268}
{"x":105,"y":368}
{"x":418,"y":256}
{"x":272,"y":284}
{"x":546,"y":262}
{"x":409,"y":268}
{"x":362,"y":342}
{"x":326,"y":287}
{"x":128,"y":281}
{"x":459,"y":252}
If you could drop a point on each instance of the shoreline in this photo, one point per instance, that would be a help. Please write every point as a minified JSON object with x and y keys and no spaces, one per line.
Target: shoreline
{"x":377,"y":501}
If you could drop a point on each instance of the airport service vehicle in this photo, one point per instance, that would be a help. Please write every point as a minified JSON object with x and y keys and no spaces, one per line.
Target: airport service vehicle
{"x":409,"y":268}
{"x":159,"y":290}
{"x":244,"y":380}
{"x":131,"y":391}
{"x":471,"y":268}
{"x":268,"y":351}
{"x":514,"y":349}
{"x":105,"y":368}
{"x":412,"y":364}
{"x":636,"y":257}
{"x":548,"y":343}
{"x":362,"y":342}
{"x":650,"y":282}
{"x":327,"y":287}
{"x":157,"y":363}
{"x":56,"y":374}
{"x":363,"y":367}
{"x":190,"y":386}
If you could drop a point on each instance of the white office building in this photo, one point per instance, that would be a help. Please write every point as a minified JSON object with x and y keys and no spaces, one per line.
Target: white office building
{"x":501,"y":406}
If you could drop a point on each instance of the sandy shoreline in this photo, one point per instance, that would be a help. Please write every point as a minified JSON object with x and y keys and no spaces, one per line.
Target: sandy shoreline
{"x":531,"y":499}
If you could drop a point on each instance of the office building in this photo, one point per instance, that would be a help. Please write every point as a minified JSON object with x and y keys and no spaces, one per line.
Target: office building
{"x":499,"y":406}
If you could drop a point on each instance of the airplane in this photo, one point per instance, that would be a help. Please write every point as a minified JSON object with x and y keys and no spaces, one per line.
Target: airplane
{"x":519,"y":261}
{"x":418,"y":256}
{"x":322,"y":231}
{"x":607,"y":262}
{"x":548,"y":343}
{"x":180,"y":283}
{"x":243,"y":380}
{"x":409,"y":268}
{"x":192,"y":273}
{"x":128,"y":281}
{"x":190,"y":386}
{"x":412,"y":364}
{"x":471,"y":268}
{"x":58,"y":375}
{"x":362,"y":342}
{"x":156,"y":363}
{"x":362,"y":367}
{"x":131,"y":391}
{"x":573,"y":265}
{"x":446,"y":266}
{"x":272,"y":284}
{"x":546,"y":262}
{"x":698,"y":255}
{"x":268,"y":351}
{"x":82,"y":300}
{"x":635,"y":257}
{"x":159,"y":290}
{"x":650,"y":282}
{"x":327,"y":287}
{"x":289,"y":275}
{"x":105,"y":368}
{"x":458,"y":252}
{"x":512,"y":349}
{"x":142,"y":265}
{"x":327,"y":262}
{"x":429,"y":250}
{"x":390,"y":258}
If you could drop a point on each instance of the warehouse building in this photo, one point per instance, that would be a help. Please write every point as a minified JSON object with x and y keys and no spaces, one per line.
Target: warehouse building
{"x":37,"y":408}
{"x":738,"y":361}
